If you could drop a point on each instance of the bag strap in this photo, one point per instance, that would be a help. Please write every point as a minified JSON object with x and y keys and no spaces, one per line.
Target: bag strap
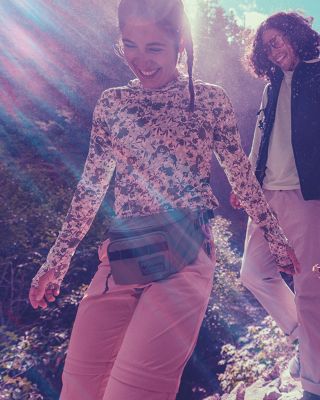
{"x":137,"y":251}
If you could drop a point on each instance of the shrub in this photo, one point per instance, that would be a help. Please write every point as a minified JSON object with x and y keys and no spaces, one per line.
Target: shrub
{"x":262,"y":351}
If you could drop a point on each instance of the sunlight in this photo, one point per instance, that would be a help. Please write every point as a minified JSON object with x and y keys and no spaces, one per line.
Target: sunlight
{"x":252,"y":19}
{"x":191,"y":8}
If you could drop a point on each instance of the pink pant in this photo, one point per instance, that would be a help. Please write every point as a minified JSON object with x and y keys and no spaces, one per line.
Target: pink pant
{"x":300,"y":221}
{"x":133,"y":342}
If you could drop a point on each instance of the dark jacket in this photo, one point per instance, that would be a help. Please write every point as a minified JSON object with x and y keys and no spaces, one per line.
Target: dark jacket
{"x":305,"y":126}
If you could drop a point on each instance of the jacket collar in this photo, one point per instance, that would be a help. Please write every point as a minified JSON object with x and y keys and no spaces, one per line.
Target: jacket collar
{"x":302,"y":66}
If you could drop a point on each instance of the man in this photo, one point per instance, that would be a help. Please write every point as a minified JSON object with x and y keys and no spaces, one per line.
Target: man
{"x":286,"y":157}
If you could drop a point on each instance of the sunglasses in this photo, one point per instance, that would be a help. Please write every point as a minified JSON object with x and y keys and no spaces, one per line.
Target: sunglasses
{"x":275,"y":43}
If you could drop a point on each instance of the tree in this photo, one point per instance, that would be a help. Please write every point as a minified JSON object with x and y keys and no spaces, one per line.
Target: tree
{"x":220,"y":45}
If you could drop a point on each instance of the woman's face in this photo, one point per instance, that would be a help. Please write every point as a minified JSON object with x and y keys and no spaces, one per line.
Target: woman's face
{"x":150,"y":53}
{"x":279,"y":50}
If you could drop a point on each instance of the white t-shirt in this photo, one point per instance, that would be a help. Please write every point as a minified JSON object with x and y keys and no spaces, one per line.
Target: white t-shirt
{"x":281,"y":171}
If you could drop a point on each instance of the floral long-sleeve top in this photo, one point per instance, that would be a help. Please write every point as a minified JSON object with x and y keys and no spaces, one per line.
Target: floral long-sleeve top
{"x":161,"y":153}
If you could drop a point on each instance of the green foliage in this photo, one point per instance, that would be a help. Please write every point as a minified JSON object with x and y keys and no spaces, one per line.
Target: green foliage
{"x":220,"y":48}
{"x":19,"y":389}
{"x":255,"y":355}
{"x":31,"y":226}
{"x":31,"y":361}
{"x":230,"y":300}
{"x":39,"y":197}
{"x":231,"y":308}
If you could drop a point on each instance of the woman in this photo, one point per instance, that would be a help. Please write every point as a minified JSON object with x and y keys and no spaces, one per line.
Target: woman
{"x":132,"y":340}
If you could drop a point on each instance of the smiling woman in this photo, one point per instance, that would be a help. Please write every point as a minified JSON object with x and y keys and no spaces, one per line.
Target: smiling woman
{"x":151,"y":55}
{"x":138,"y":323}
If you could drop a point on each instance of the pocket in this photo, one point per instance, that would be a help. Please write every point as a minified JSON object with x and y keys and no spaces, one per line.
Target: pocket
{"x":98,"y":282}
{"x":315,"y":204}
{"x":139,"y":259}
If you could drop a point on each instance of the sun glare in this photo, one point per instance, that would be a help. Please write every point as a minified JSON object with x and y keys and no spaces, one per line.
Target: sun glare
{"x":191,"y":10}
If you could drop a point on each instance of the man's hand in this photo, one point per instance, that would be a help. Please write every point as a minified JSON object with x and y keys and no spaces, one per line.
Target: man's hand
{"x":45,"y":293}
{"x":235,"y":203}
{"x":316,"y":270}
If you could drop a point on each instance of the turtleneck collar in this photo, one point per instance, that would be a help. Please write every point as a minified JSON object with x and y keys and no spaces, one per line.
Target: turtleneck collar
{"x":178,"y":81}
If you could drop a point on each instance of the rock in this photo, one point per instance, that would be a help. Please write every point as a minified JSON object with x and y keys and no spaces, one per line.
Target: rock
{"x":288,"y":384}
{"x":273,"y":374}
{"x":262,"y":390}
{"x":295,"y":395}
{"x":272,"y":394}
{"x":281,"y":388}
{"x":237,"y":393}
{"x":215,"y":396}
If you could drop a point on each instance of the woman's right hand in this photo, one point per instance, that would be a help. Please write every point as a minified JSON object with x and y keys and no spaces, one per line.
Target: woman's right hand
{"x":295,"y":267}
{"x":234,"y":201}
{"x":45,"y":292}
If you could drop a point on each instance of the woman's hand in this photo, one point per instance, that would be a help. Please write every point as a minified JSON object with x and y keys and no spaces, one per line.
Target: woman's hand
{"x":234,"y":201}
{"x":45,"y":292}
{"x":293,"y":268}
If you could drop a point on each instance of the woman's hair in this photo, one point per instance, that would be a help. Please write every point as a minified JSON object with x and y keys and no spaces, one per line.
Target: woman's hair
{"x":296,"y":28}
{"x":170,"y":16}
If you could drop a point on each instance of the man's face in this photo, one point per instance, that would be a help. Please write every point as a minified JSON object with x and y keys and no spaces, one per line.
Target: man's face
{"x":279,"y":50}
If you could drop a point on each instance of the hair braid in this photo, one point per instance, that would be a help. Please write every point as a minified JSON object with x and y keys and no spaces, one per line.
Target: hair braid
{"x":188,"y":42}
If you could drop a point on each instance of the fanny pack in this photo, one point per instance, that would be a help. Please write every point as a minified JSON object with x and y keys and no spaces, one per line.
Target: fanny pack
{"x":150,"y":248}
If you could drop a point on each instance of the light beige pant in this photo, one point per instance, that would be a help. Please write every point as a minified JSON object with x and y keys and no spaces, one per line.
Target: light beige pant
{"x":132,"y":343}
{"x":300,"y":221}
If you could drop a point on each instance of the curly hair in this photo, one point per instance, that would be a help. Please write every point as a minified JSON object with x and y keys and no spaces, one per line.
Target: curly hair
{"x":304,"y":40}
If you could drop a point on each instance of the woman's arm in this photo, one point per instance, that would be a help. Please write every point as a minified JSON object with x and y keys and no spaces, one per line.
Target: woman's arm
{"x":228,"y":150}
{"x":86,"y":201}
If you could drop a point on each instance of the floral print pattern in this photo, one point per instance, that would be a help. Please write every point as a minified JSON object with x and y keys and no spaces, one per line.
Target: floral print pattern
{"x":161,"y":153}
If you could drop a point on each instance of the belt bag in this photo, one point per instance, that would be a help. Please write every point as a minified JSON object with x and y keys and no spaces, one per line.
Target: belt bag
{"x":149,"y":248}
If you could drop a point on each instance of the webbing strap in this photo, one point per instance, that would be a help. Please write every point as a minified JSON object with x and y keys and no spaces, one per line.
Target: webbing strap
{"x":138,"y":251}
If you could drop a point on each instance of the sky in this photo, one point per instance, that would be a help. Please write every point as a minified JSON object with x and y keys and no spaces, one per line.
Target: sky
{"x":252,"y":12}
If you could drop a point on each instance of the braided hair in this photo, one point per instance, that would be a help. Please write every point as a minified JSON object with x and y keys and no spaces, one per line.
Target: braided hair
{"x":170,"y":16}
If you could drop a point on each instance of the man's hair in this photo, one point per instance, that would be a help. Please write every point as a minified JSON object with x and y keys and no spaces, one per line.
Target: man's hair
{"x":297,"y":29}
{"x":170,"y":16}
